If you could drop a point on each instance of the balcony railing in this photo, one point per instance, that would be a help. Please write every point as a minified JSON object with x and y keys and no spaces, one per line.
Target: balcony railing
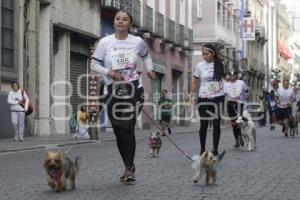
{"x":136,"y":12}
{"x":116,"y":4}
{"x":170,"y":30}
{"x":181,"y":35}
{"x":149,"y":18}
{"x":159,"y":29}
{"x":191,"y":38}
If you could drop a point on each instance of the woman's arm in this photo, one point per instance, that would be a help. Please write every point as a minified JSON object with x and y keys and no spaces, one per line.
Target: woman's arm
{"x":149,"y":66}
{"x":194,"y":86}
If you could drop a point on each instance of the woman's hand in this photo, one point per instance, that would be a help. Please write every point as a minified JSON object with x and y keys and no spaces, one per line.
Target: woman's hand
{"x":115,"y":75}
{"x":151,"y":75}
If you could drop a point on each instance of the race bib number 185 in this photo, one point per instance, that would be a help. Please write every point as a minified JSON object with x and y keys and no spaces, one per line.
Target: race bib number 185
{"x":122,"y":61}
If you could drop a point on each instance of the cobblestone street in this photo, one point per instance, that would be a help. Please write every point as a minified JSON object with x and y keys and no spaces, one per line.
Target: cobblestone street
{"x":271,"y":172}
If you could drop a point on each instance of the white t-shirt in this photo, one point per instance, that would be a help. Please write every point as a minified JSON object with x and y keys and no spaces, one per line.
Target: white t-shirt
{"x":13,"y":99}
{"x":235,"y":91}
{"x":208,"y":87}
{"x":121,"y":55}
{"x":285,"y":96}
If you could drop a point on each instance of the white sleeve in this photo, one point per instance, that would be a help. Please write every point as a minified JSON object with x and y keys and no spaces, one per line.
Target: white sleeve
{"x":148,"y":62}
{"x":197,"y":71}
{"x":11,"y":100}
{"x":97,"y":63}
{"x":245,"y":86}
{"x":225,"y":86}
{"x":144,"y":54}
{"x":143,"y":49}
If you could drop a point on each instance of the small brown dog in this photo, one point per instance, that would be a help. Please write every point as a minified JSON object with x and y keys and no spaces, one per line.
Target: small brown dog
{"x":59,"y":168}
{"x":205,"y":164}
{"x":293,"y":125}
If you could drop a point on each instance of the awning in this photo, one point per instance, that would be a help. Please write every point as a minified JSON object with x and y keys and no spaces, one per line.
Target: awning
{"x":283,"y":50}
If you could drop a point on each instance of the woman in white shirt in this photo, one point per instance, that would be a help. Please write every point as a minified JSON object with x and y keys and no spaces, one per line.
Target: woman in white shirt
{"x":116,"y":57}
{"x":16,"y":98}
{"x":209,"y":74}
{"x":235,"y":91}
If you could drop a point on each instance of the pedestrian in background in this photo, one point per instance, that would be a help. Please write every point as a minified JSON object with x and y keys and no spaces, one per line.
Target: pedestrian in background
{"x":235,"y":91}
{"x":18,"y":100}
{"x":83,"y":120}
{"x":272,"y":107}
{"x":165,"y":106}
{"x":209,"y":74}
{"x":116,"y":57}
{"x":262,"y":111}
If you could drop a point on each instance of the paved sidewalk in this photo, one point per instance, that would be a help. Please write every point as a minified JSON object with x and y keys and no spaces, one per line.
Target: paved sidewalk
{"x":31,"y":143}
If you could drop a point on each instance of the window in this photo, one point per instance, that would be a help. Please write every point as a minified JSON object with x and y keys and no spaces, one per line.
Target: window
{"x":199,"y":9}
{"x":7,"y":33}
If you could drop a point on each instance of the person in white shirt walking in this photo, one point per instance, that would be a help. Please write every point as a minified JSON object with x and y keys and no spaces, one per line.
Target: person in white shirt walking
{"x":16,"y":98}
{"x":285,"y":97}
{"x":116,"y":57}
{"x":209,"y":74}
{"x":236,"y":91}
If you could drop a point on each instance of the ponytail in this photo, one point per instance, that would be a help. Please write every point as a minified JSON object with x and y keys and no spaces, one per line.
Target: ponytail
{"x":219,"y":67}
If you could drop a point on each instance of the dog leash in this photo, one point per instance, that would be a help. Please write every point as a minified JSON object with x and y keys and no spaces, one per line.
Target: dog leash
{"x":159,"y":128}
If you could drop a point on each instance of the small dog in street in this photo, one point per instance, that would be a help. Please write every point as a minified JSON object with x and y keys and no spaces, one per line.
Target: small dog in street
{"x":154,"y":142}
{"x":59,"y":168}
{"x":205,"y":164}
{"x":248,"y":131}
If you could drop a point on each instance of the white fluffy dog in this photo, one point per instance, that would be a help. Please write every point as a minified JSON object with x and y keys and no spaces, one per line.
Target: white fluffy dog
{"x":248,"y":131}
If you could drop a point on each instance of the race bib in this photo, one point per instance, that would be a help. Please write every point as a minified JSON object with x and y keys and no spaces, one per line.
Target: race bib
{"x":272,"y":103}
{"x":234,"y":93}
{"x":122,"y":61}
{"x":210,"y":88}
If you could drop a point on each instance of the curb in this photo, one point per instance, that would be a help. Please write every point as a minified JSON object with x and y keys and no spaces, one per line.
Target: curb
{"x":44,"y":146}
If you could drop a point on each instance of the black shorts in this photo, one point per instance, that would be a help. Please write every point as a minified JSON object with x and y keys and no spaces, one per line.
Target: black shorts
{"x":284,"y":113}
{"x":166,"y":118}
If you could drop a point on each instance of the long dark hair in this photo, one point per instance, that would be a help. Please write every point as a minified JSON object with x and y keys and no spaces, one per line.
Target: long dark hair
{"x":218,"y":63}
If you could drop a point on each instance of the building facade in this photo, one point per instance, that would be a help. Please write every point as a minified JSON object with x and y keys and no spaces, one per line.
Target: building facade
{"x":285,"y":32}
{"x":217,"y":22}
{"x":254,"y":51}
{"x":47,"y":51}
{"x":46,"y":45}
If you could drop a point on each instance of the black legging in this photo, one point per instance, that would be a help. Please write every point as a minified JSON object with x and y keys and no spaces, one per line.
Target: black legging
{"x":235,"y":110}
{"x":205,"y":105}
{"x":124,"y":130}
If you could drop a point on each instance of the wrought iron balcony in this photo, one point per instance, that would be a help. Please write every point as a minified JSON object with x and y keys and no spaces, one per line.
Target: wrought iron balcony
{"x":116,"y":4}
{"x":159,"y":25}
